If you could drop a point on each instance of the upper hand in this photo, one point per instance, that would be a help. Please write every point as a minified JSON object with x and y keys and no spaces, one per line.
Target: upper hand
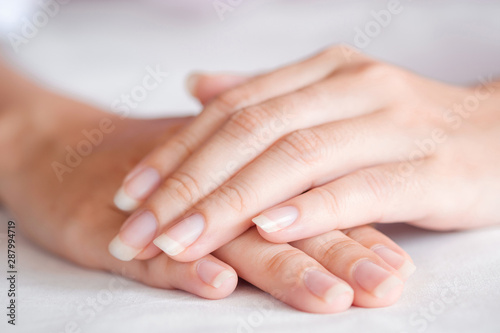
{"x":369,"y":142}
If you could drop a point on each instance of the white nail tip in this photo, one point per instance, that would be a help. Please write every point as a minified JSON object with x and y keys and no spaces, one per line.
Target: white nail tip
{"x":266,"y":224}
{"x":387,"y":286}
{"x":407,"y":269}
{"x":335,"y":291}
{"x":122,"y":251}
{"x":221,"y":278}
{"x":124,"y":202}
{"x":168,"y":245}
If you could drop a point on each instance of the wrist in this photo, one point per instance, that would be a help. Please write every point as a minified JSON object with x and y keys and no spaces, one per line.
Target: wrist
{"x":25,"y":122}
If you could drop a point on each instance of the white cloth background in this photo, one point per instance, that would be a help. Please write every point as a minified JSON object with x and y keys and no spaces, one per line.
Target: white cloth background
{"x":97,"y":50}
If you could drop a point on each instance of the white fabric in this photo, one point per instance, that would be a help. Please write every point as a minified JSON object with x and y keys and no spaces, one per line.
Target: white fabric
{"x":97,"y":50}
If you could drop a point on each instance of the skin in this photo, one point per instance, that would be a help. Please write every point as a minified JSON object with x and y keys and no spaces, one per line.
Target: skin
{"x":364,"y":142}
{"x":72,"y":214}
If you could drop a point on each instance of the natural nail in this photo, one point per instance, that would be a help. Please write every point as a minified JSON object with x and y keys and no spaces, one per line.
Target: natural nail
{"x":375,"y":279}
{"x":134,"y":190}
{"x":213,"y":274}
{"x":404,"y":266}
{"x":276,"y":219}
{"x":181,"y":235}
{"x":325,"y":286}
{"x":137,"y":232}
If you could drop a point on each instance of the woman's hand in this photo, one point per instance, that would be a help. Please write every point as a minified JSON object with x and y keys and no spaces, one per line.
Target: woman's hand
{"x":71,"y":214}
{"x":325,"y":144}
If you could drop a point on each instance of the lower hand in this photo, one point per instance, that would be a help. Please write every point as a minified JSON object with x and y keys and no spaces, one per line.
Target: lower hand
{"x":75,"y":218}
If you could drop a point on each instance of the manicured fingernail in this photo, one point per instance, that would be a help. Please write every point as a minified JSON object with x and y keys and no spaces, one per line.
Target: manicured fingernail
{"x":404,"y":266}
{"x":192,"y":82}
{"x":181,"y":235}
{"x":213,"y":274}
{"x":374,"y":279}
{"x":276,"y":219}
{"x":137,"y":232}
{"x":134,"y":190}
{"x":325,"y":286}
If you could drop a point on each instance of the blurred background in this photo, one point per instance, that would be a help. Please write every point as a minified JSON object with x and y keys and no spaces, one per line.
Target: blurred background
{"x":96,"y":50}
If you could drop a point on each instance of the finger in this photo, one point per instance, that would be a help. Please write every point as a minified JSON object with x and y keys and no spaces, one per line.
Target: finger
{"x":205,"y":170}
{"x":208,"y":277}
{"x":384,"y":247}
{"x":206,"y":87}
{"x":146,"y":176}
{"x":251,"y":131}
{"x":287,"y":274}
{"x":310,"y":157}
{"x":384,"y":193}
{"x":375,"y":283}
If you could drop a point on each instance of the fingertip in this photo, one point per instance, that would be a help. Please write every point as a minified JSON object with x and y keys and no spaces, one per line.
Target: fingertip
{"x":214,"y":274}
{"x":122,"y":251}
{"x":149,"y":252}
{"x":407,"y":269}
{"x":125,"y":202}
{"x":192,"y":83}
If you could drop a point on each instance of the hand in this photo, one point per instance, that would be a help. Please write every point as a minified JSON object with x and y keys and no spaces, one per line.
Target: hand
{"x":71,"y":214}
{"x":369,"y":142}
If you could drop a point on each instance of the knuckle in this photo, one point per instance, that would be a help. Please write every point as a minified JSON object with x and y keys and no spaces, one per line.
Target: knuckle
{"x":184,"y":144}
{"x":182,"y":185}
{"x":289,"y":264}
{"x":334,"y":250}
{"x":249,"y":120}
{"x":377,"y":184}
{"x":332,"y":51}
{"x":236,"y":195}
{"x":362,"y":233}
{"x":304,"y":145}
{"x":374,"y":71}
{"x":228,"y":102}
{"x":332,"y":203}
{"x":387,"y":74}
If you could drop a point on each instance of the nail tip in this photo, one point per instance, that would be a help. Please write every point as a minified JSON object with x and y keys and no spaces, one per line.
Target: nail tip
{"x":265,"y":224}
{"x":334,"y":292}
{"x":168,"y":245}
{"x":387,"y":286}
{"x":124,"y":202}
{"x":122,"y":251}
{"x":407,"y":269}
{"x":221,"y":278}
{"x":191,"y":82}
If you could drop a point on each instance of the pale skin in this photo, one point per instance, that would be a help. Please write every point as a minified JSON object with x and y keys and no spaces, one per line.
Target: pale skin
{"x":335,"y":141}
{"x":74,"y":217}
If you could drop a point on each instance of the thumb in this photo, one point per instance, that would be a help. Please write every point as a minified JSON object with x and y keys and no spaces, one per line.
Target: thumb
{"x":204,"y":87}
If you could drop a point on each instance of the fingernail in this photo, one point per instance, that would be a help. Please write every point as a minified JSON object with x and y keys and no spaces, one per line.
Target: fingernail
{"x":325,"y":286}
{"x":192,"y":82}
{"x":276,"y":219}
{"x":374,"y":279}
{"x":405,"y":267}
{"x":134,"y":190}
{"x":181,"y":235}
{"x":137,"y":232}
{"x":213,"y":274}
